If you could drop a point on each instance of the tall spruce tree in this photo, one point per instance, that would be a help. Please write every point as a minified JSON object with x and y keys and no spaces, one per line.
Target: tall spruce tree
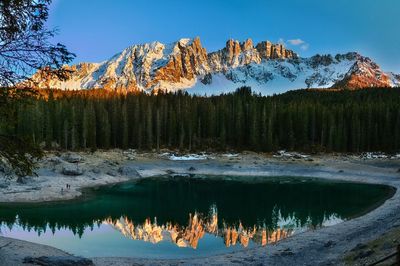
{"x":24,"y":48}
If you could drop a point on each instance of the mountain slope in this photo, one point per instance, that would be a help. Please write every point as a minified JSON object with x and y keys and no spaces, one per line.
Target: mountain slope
{"x":268,"y":68}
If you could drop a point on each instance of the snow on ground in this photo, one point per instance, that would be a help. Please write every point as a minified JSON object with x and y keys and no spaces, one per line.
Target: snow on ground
{"x":285,"y":154}
{"x":186,"y":157}
{"x":230,"y":155}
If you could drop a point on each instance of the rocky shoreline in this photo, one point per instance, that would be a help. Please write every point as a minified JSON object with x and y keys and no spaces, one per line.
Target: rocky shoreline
{"x":62,"y":176}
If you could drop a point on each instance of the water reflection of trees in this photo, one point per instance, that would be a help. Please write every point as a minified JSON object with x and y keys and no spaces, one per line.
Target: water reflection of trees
{"x":304,"y":204}
{"x":184,"y":235}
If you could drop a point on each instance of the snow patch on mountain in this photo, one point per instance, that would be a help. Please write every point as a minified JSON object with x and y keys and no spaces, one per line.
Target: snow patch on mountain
{"x":275,"y":76}
{"x":394,"y":79}
{"x":185,"y":65}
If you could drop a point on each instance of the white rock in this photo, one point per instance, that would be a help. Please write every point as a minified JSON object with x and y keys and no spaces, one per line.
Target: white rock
{"x":72,"y":170}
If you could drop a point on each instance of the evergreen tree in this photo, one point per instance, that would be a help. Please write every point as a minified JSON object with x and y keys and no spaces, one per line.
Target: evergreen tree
{"x":366,"y":120}
{"x":124,"y":127}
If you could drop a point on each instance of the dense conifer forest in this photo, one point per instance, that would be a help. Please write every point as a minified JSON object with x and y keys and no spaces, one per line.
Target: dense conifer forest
{"x":303,"y":120}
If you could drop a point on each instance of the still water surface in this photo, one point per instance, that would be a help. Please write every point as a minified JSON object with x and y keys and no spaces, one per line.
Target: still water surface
{"x":188,"y":217}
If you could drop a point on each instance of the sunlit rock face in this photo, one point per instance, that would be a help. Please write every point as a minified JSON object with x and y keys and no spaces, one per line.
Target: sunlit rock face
{"x":156,"y":66}
{"x":186,"y":65}
{"x":233,"y":55}
{"x":150,"y":66}
{"x":365,"y":73}
{"x":269,"y":50}
{"x":189,"y":236}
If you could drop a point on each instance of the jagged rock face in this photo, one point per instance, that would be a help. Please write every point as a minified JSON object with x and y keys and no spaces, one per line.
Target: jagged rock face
{"x":364,"y":73}
{"x":187,"y":63}
{"x":268,"y":50}
{"x":140,"y":67}
{"x":266,"y":67}
{"x":237,"y":54}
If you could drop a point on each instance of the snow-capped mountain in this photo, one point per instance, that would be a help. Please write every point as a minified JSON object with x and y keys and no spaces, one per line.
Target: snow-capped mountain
{"x":268,"y":68}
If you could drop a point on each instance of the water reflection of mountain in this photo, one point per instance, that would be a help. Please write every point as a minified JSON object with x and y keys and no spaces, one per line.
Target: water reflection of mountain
{"x":190,"y":235}
{"x":259,"y":204}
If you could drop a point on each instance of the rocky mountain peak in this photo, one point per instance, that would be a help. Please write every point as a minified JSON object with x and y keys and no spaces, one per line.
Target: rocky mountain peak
{"x":364,"y":73}
{"x":233,"y":50}
{"x":268,"y":50}
{"x":185,"y":64}
{"x":247,"y":45}
{"x":237,"y":54}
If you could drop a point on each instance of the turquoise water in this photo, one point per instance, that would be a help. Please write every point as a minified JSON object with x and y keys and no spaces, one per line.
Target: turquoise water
{"x":187,"y":217}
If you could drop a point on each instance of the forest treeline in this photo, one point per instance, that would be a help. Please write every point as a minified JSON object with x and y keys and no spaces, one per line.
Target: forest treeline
{"x":303,"y":120}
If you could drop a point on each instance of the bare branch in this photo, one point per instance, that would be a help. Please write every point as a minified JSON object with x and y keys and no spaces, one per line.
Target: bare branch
{"x":25,"y":48}
{"x":24,"y":42}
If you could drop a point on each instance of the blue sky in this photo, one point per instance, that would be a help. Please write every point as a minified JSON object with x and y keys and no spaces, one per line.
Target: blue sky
{"x":97,"y":29}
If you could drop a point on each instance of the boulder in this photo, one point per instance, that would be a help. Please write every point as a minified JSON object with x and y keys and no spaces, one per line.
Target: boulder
{"x":72,"y":170}
{"x":111,"y":173}
{"x":23,"y":179}
{"x":54,"y":160}
{"x":72,"y":158}
{"x":96,"y":171}
{"x":4,"y":183}
{"x":58,"y":261}
{"x":128,"y":171}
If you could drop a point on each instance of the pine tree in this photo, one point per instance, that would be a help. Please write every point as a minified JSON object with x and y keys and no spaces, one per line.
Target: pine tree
{"x":74,"y":130}
{"x":90,"y":126}
{"x":336,"y":121}
{"x":158,"y":129}
{"x":105,"y":129}
{"x":149,"y":127}
{"x":124,"y":126}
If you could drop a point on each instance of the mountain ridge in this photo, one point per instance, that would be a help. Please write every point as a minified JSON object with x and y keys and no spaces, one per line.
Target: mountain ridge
{"x":186,"y":65}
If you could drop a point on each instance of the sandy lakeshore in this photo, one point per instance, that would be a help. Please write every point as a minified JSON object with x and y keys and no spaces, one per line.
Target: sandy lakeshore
{"x":325,"y":246}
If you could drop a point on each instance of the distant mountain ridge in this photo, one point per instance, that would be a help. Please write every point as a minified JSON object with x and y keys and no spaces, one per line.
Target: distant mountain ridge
{"x":185,"y":65}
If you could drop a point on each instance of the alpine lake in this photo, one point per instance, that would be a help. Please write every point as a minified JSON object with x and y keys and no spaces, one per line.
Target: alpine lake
{"x":181,"y":217}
